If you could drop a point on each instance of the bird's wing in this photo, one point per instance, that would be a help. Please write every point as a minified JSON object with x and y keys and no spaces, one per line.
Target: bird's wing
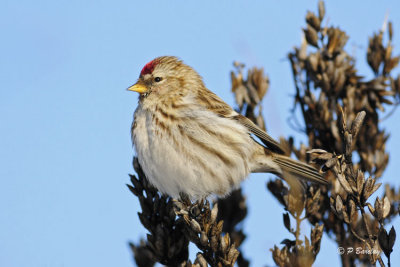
{"x":215,"y":104}
{"x":257,"y":131}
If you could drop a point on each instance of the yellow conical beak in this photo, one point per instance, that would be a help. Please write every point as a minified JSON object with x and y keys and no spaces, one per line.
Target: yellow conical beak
{"x":138,"y":87}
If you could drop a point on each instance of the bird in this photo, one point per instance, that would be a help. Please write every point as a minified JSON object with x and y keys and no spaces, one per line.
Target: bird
{"x":189,"y":141}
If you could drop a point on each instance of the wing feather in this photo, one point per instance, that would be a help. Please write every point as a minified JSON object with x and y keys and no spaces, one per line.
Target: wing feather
{"x":257,"y":131}
{"x":215,"y":104}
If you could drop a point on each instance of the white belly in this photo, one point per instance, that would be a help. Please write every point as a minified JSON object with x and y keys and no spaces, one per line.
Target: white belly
{"x":204,"y":155}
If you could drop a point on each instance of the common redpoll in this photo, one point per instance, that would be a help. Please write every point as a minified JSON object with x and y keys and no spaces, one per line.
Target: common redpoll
{"x":190,"y":141}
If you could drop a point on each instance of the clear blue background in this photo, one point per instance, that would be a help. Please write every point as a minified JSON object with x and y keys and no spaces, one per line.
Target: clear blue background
{"x":65,"y":149}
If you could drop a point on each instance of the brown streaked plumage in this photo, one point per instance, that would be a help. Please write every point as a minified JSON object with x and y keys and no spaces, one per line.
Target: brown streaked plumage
{"x":190,"y":141}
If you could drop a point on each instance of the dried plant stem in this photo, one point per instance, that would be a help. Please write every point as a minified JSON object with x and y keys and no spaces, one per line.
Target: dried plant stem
{"x":357,"y":236}
{"x":390,"y":113}
{"x":298,"y":225}
{"x":381,"y":261}
{"x":298,"y":96}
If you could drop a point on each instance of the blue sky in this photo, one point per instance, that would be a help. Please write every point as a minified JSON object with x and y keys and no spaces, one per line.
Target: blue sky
{"x":65,"y":149}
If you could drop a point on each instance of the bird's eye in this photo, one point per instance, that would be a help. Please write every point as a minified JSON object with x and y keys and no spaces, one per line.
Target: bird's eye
{"x":157,"y":79}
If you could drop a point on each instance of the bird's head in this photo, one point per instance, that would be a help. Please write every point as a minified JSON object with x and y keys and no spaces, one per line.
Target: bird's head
{"x":166,"y":76}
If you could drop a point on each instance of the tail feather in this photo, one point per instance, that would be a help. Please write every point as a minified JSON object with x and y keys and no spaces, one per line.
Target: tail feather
{"x":299,"y":169}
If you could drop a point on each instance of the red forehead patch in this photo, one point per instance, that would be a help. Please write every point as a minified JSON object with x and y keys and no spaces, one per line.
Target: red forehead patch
{"x":149,"y":67}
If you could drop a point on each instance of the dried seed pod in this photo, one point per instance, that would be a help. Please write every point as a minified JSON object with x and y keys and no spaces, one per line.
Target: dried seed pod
{"x":378,"y":209}
{"x":325,"y":82}
{"x":386,"y":241}
{"x":348,"y":138}
{"x":386,"y":207}
{"x":227,"y":239}
{"x":360,"y":182}
{"x":369,"y":188}
{"x":317,"y":151}
{"x":313,"y":21}
{"x":339,"y":205}
{"x":195,"y":226}
{"x":370,"y":208}
{"x":332,"y":205}
{"x":195,"y":210}
{"x":339,"y":80}
{"x":218,"y":228}
{"x":390,"y":64}
{"x":214,"y":213}
{"x":355,"y":126}
{"x":200,"y":260}
{"x":343,"y":182}
{"x":311,"y":36}
{"x":352,"y":210}
{"x":331,"y":162}
{"x":232,"y":255}
{"x":313,"y":62}
{"x":375,"y":52}
{"x":137,"y":186}
{"x":214,"y":242}
{"x":286,"y":221}
{"x":203,"y":239}
{"x":223,"y":245}
{"x":321,"y":10}
{"x":346,"y":217}
{"x":316,"y":236}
